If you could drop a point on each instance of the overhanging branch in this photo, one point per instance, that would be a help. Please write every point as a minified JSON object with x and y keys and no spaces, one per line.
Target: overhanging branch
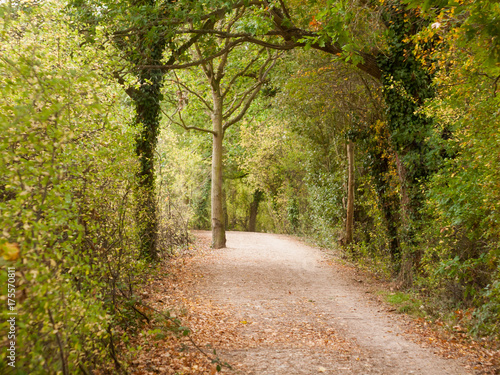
{"x":204,"y":60}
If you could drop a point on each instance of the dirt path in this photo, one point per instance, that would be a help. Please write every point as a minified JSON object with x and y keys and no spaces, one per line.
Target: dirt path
{"x":296,"y":313}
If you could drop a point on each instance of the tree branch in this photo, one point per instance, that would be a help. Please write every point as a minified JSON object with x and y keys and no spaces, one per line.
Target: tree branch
{"x":183,"y":125}
{"x":226,"y":34}
{"x":175,"y":54}
{"x":200,"y":61}
{"x":64,"y":363}
{"x":198,"y":129}
{"x":178,"y":83}
{"x":170,"y":21}
{"x":290,"y":35}
{"x":203,"y":65}
{"x":129,"y":90}
{"x":262,"y":76}
{"x":242,"y":73}
{"x":237,"y":103}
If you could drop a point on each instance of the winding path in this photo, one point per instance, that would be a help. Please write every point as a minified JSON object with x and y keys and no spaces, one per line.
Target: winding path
{"x":303,"y":314}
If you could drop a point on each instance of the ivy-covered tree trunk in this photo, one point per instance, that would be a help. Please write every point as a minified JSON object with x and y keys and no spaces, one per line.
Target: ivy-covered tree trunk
{"x":389,"y":203}
{"x":218,"y":220}
{"x":147,"y":103}
{"x":406,"y":207}
{"x":381,"y":168}
{"x":407,"y":83}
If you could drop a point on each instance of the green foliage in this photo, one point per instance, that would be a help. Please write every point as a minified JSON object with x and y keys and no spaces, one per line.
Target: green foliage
{"x":134,"y":31}
{"x":427,"y":182}
{"x":406,"y":85}
{"x":326,"y":208}
{"x":404,"y":303}
{"x":384,"y":183}
{"x":68,"y":173}
{"x":183,"y":175}
{"x":477,"y":20}
{"x":256,"y":23}
{"x":274,"y":161}
{"x":353,"y":25}
{"x":461,"y":257}
{"x":487,"y":316}
{"x":238,"y":199}
{"x":201,"y":219}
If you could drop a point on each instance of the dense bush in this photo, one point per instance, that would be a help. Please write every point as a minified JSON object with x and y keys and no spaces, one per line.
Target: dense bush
{"x":68,"y":174}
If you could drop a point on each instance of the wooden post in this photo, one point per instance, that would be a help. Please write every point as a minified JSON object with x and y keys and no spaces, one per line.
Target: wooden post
{"x":350,"y":193}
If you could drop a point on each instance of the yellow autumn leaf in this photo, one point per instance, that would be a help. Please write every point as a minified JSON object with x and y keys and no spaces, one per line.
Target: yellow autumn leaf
{"x":9,"y":251}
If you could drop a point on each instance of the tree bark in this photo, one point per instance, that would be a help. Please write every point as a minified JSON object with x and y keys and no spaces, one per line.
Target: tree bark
{"x":254,"y":209}
{"x":218,"y":227}
{"x":405,"y":199}
{"x":350,"y":193}
{"x":147,"y":103}
{"x":389,"y":204}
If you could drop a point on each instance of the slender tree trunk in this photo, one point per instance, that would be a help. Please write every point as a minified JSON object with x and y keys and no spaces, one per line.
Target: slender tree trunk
{"x":254,"y":209}
{"x":350,"y":193}
{"x":409,"y":259}
{"x":218,"y":227}
{"x":405,"y":199}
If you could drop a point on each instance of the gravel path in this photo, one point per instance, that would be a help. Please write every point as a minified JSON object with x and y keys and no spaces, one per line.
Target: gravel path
{"x":301,"y":314}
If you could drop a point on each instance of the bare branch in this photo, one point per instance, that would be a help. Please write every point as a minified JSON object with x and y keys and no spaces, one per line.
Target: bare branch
{"x":180,"y":84}
{"x":223,"y":61}
{"x":209,"y":24}
{"x":129,"y":90}
{"x":278,"y":15}
{"x":285,"y":10}
{"x":203,"y":65}
{"x":369,"y":64}
{"x":182,"y":124}
{"x":227,"y":34}
{"x":199,"y":129}
{"x":244,"y":109}
{"x":263,"y":71}
{"x":222,"y":64}
{"x":287,"y":46}
{"x":271,"y":60}
{"x":237,"y":103}
{"x":200,"y":61}
{"x":242,"y":73}
{"x":495,"y":83}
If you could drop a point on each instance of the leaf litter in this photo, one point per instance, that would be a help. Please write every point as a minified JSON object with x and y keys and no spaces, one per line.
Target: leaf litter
{"x":220,"y":332}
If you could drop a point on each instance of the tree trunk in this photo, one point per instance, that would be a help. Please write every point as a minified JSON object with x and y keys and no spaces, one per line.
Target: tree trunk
{"x":147,"y":102}
{"x":254,"y":209}
{"x":218,"y":227}
{"x":389,"y":204}
{"x":405,"y":199}
{"x":350,"y":193}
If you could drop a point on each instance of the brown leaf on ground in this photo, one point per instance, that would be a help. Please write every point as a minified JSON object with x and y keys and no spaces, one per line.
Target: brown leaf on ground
{"x":220,"y":328}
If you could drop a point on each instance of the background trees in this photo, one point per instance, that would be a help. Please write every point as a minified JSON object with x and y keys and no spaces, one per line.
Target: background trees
{"x":231,"y":82}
